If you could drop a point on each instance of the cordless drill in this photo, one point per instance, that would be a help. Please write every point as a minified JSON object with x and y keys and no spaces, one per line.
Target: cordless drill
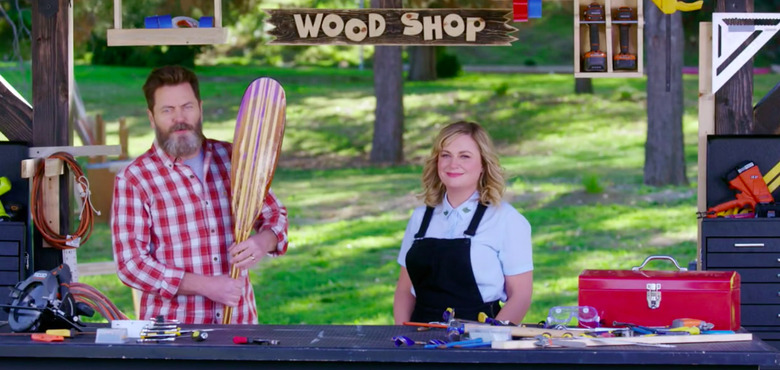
{"x":595,"y":60}
{"x":624,"y":60}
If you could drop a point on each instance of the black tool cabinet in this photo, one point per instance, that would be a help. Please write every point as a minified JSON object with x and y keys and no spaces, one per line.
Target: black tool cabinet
{"x":750,"y":246}
{"x":13,"y":259}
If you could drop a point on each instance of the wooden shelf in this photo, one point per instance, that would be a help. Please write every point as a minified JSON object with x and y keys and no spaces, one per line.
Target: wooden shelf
{"x":166,"y":36}
{"x":609,"y":37}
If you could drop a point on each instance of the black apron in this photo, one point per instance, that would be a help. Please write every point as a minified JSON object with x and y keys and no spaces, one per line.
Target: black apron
{"x":442,"y":275}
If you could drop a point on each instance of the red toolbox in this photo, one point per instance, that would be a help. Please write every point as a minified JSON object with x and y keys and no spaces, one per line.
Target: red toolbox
{"x":655,"y":298}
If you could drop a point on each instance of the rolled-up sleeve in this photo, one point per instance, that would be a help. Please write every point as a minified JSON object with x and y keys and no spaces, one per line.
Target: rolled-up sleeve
{"x":273,"y":216}
{"x":131,"y":239}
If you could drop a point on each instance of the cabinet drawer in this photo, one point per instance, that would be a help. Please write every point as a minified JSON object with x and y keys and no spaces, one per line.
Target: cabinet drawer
{"x":748,"y":275}
{"x":760,"y":294}
{"x":733,"y":260}
{"x":9,"y":248}
{"x":760,"y":315}
{"x":9,"y":278}
{"x":9,"y":263}
{"x":743,"y":245}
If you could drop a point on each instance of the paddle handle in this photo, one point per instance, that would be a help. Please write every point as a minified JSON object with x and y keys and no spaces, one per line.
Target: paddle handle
{"x":227,"y":312}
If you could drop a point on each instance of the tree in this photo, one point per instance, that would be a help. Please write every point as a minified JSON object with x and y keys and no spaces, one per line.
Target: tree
{"x":387,"y":144}
{"x":664,"y":156}
{"x":583,"y":86}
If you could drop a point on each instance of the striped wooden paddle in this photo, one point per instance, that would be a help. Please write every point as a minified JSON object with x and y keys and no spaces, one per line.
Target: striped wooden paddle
{"x":257,"y":142}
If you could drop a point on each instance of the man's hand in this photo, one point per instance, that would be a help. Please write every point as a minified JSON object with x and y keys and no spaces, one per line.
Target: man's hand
{"x":225,"y":290}
{"x":220,"y":288}
{"x":247,"y":254}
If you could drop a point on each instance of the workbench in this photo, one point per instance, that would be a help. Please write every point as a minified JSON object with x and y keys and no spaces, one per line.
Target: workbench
{"x":359,"y":347}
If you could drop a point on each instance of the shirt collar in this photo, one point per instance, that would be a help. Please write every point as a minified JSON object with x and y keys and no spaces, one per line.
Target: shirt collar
{"x":469,"y":206}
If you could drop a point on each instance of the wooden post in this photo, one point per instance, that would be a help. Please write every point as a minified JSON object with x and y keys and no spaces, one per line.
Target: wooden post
{"x":734,"y":101}
{"x":100,"y":135}
{"x":51,"y":66}
{"x":123,"y":132}
{"x":706,"y":121}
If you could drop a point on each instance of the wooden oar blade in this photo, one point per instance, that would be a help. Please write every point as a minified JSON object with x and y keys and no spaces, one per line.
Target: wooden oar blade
{"x":257,"y":143}
{"x":256,"y":146}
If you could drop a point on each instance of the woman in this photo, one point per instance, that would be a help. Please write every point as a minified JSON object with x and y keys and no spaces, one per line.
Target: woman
{"x":465,"y":249}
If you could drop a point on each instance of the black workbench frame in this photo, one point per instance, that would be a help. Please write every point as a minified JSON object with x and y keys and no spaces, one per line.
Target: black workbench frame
{"x":362,"y":347}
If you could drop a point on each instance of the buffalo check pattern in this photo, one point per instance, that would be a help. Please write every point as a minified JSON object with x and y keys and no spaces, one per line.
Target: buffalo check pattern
{"x":166,"y":222}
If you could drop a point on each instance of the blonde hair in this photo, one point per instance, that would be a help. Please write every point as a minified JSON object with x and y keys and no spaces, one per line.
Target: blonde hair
{"x":491,"y":183}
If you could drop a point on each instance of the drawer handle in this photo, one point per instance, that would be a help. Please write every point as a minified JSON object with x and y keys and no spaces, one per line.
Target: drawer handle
{"x":749,"y":245}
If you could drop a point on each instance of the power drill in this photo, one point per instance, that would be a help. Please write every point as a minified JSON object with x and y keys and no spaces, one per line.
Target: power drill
{"x":624,"y":60}
{"x":595,"y":60}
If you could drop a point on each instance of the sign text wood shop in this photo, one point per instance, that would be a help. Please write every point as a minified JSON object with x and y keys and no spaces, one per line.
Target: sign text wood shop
{"x":391,"y":27}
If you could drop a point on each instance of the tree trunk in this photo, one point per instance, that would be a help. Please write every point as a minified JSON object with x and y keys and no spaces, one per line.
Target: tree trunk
{"x":734,"y":101}
{"x":583,"y":86}
{"x":387,"y":144}
{"x":664,"y":155}
{"x":422,"y":63}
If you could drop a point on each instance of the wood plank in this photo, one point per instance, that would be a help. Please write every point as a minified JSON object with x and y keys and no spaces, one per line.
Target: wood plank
{"x":658,"y":339}
{"x":97,"y":268}
{"x":76,"y":151}
{"x":118,"y":14}
{"x":166,"y":36}
{"x":16,"y":113}
{"x":706,"y":122}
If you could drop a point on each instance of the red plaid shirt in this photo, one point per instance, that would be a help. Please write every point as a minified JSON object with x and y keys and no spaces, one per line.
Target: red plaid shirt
{"x":166,"y":222}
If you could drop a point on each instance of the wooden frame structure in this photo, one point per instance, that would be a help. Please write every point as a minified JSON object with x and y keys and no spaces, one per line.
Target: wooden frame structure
{"x":119,"y":36}
{"x":609,"y":38}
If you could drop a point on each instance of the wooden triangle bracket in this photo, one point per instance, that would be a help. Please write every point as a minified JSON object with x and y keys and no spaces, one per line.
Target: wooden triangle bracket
{"x":736,"y":38}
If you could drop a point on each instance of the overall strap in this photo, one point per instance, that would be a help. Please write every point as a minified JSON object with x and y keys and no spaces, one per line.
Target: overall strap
{"x":472,"y":230}
{"x":425,"y":222}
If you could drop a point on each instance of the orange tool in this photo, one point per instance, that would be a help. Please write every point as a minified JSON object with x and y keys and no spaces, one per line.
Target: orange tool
{"x":691,"y":323}
{"x":425,"y":324}
{"x":40,"y":337}
{"x":751,"y":187}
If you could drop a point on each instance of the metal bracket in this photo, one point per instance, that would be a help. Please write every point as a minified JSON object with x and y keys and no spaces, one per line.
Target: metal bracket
{"x":653,"y":295}
{"x":736,"y":38}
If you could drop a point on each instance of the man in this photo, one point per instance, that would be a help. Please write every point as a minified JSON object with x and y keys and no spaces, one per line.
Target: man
{"x":171,"y":221}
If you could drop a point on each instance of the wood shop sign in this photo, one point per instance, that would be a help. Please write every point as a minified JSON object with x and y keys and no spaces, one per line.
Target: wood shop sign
{"x":391,"y":27}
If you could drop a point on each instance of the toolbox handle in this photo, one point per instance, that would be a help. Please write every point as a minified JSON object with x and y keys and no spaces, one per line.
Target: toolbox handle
{"x":648,"y":259}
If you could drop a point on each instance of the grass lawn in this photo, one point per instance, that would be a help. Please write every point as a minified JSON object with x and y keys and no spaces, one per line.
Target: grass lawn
{"x":574,"y":164}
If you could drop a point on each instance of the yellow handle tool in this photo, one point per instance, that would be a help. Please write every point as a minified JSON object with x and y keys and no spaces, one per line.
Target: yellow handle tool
{"x":671,"y":6}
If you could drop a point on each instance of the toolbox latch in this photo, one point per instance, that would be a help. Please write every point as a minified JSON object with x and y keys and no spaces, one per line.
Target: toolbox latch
{"x":653,"y":295}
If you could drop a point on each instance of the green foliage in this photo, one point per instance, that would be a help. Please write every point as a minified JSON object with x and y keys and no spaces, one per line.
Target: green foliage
{"x":347,"y":217}
{"x":447,"y":64}
{"x":501,"y":89}
{"x":592,"y":183}
{"x":151,"y":56}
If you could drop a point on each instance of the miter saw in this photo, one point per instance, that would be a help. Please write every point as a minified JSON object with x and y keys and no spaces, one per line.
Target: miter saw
{"x":43,"y":301}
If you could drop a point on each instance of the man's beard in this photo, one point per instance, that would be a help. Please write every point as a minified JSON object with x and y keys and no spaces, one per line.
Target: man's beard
{"x":183,"y":144}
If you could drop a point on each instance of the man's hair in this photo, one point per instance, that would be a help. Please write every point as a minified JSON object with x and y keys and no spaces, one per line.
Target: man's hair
{"x":491,"y":183}
{"x":168,"y":76}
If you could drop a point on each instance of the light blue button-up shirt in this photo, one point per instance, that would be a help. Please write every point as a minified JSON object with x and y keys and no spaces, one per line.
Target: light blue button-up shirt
{"x":501,"y":246}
